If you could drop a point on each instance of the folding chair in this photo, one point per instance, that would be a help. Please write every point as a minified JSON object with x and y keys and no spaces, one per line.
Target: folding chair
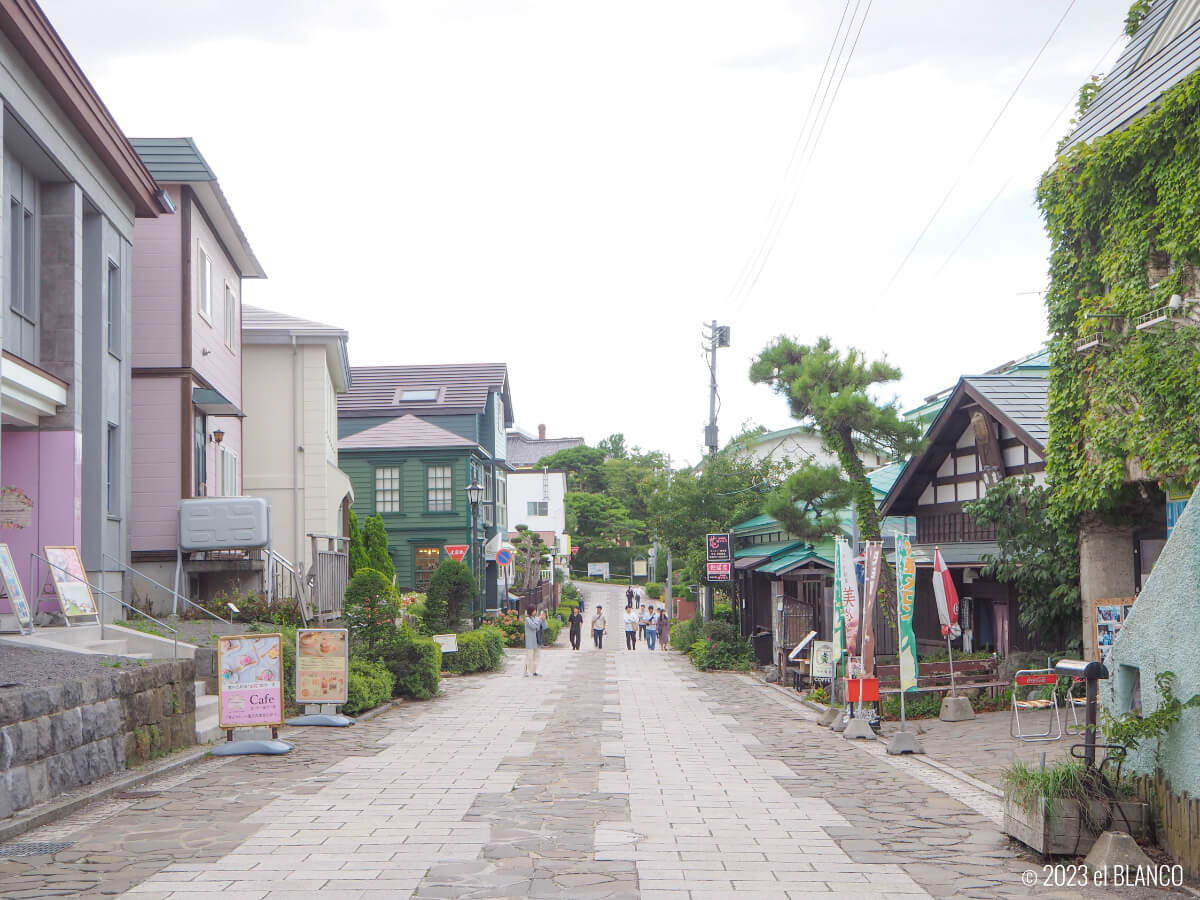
{"x":1054,"y":727}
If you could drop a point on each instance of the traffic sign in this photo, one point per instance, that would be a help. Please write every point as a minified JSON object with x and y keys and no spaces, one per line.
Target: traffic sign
{"x":456,"y":551}
{"x":718,"y":571}
{"x":503,"y":557}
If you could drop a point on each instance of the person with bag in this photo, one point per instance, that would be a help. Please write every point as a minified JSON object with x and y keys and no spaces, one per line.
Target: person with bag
{"x":533,"y":640}
{"x":599,"y":627}
{"x":663,"y":626}
{"x":575,"y":620}
{"x":631,"y":623}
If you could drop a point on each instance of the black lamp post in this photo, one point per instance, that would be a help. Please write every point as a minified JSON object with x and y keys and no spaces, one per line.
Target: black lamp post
{"x":475,"y":497}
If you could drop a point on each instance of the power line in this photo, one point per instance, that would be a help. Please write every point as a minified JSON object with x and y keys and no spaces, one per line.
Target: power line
{"x":987,"y":134}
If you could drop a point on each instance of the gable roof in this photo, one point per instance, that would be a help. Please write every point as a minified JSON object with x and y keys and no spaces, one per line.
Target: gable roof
{"x":265,"y":326}
{"x":1016,"y":401}
{"x":1163,"y":52}
{"x":524,"y":450}
{"x":178,"y":161}
{"x":404,"y":433}
{"x":461,"y":389}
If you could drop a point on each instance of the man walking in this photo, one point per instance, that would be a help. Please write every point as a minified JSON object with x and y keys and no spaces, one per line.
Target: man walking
{"x":631,"y":623}
{"x":576,"y":622}
{"x":629,"y":596}
{"x":599,"y":626}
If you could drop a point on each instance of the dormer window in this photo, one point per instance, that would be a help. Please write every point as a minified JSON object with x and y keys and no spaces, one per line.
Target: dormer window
{"x":416,"y":395}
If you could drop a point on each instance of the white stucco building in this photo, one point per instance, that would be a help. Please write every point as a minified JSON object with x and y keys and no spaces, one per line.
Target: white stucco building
{"x":293,"y":371}
{"x":536,"y":500}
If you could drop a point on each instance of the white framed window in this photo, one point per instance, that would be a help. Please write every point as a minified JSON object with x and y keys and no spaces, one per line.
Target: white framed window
{"x":440,"y":492}
{"x":112,"y":471}
{"x":387,"y":490}
{"x":204,"y":292}
{"x":537,"y":508}
{"x":231,"y":318}
{"x":112,"y":309}
{"x":229,"y":472}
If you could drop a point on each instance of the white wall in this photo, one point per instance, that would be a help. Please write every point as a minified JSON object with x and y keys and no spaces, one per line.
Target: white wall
{"x":524,"y":487}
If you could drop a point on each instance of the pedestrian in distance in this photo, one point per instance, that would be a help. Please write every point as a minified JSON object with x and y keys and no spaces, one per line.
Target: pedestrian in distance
{"x":533,"y":639}
{"x":637,"y":597}
{"x":649,"y":625}
{"x":575,"y":620}
{"x":631,"y":621}
{"x":599,"y":627}
{"x":663,"y":627}
{"x":629,"y":596}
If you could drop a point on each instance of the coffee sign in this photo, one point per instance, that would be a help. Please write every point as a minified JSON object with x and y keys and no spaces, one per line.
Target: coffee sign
{"x":718,"y":571}
{"x":719,"y":549}
{"x":322,"y":665}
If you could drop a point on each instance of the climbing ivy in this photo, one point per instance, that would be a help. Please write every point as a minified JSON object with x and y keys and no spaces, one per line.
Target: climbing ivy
{"x":1120,"y":211}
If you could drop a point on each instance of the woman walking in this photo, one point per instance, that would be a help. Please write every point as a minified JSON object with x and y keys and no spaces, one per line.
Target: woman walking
{"x":576,"y":622}
{"x":533,"y":638}
{"x":663,"y":626}
{"x":649,"y":623}
{"x":599,"y":626}
{"x":631,"y":623}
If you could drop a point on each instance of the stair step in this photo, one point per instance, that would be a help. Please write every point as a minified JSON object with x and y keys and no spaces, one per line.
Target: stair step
{"x":201,"y":689}
{"x":207,"y":701}
{"x":112,"y":647}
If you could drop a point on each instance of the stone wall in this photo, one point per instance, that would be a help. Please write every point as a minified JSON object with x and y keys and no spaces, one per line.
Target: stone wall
{"x":61,"y":736}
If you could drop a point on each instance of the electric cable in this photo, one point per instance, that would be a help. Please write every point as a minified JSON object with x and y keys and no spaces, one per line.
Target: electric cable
{"x":975,"y":153}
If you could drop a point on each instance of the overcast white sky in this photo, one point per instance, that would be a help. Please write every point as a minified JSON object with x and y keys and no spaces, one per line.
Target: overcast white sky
{"x":573,"y":188}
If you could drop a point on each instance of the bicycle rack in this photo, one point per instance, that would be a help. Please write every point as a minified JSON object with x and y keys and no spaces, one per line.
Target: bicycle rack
{"x":1054,"y":727}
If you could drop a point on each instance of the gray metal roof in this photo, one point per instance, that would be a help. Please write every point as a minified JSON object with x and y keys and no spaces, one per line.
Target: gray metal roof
{"x":256,"y":319}
{"x":265,"y":326}
{"x":1019,"y":398}
{"x":461,"y":389}
{"x":1149,"y":65}
{"x":404,"y":433}
{"x":173,"y":160}
{"x":524,"y":450}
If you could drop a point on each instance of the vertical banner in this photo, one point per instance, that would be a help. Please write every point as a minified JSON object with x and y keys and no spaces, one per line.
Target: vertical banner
{"x":839,"y":622}
{"x":849,"y":596}
{"x":906,"y":601}
{"x":872,"y":567}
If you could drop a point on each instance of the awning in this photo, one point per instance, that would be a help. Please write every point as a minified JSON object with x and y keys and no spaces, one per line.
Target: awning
{"x":959,"y":554}
{"x":749,"y":562}
{"x":214,"y":403}
{"x":28,"y":393}
{"x":789,"y":561}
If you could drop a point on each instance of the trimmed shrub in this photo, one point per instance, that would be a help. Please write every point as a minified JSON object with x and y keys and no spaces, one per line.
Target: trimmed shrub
{"x":553,"y":626}
{"x":512,"y":626}
{"x":451,"y":590}
{"x":684,"y":634}
{"x":654,"y":590}
{"x":709,"y":654}
{"x":358,"y":551}
{"x":481,"y":650}
{"x":370,"y":609}
{"x":375,"y":543}
{"x":415,"y":661}
{"x":370,"y":685}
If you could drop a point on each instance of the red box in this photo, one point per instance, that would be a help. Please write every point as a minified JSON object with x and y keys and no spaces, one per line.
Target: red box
{"x":868,"y":686}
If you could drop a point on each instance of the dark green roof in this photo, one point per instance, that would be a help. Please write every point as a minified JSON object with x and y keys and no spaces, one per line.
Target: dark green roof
{"x":787,"y":561}
{"x":173,"y":160}
{"x":751,"y":524}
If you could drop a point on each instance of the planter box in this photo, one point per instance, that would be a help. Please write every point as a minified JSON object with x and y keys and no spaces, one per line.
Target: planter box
{"x":1067,"y":832}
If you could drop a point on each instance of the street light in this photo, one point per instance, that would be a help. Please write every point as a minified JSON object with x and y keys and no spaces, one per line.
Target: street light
{"x":475,"y":497}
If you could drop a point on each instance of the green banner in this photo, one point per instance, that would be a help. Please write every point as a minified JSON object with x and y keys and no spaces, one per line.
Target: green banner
{"x":906,"y":599}
{"x":839,"y":623}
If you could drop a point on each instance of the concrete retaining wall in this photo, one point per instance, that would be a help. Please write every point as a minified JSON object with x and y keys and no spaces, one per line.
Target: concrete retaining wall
{"x":61,"y":736}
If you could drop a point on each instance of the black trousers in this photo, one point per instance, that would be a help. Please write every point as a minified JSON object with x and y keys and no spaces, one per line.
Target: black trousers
{"x":631,"y":640}
{"x":598,"y":638}
{"x":575,"y":637}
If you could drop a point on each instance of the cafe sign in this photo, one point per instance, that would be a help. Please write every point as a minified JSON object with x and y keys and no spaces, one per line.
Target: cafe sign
{"x":251,"y":680}
{"x":322,"y":665}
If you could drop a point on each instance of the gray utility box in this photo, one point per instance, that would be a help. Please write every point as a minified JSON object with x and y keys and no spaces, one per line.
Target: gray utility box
{"x":224,"y":523}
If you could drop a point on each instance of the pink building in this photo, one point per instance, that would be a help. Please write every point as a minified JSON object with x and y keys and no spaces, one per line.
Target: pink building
{"x":187,"y":361}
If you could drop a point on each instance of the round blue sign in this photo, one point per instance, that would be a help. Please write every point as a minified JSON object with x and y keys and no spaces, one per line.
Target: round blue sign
{"x":503,"y":557}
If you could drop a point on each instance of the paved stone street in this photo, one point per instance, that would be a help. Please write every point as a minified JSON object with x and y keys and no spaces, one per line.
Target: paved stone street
{"x":615,"y":774}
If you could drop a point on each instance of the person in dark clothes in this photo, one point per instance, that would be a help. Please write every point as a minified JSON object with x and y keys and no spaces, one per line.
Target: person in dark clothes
{"x":576,"y":622}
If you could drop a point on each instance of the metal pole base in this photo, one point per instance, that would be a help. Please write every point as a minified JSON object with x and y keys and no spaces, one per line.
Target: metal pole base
{"x":858,"y":729}
{"x":904,"y":742}
{"x":327,"y":719}
{"x":828,"y":717}
{"x":252,"y":748}
{"x":842,"y":720}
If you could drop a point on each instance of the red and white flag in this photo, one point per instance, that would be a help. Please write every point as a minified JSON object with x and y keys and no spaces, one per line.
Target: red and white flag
{"x":947,"y":596}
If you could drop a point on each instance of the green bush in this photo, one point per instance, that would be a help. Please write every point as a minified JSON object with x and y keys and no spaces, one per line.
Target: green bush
{"x":553,"y":626}
{"x":571,"y":593}
{"x":684,"y":634}
{"x":512,"y":626}
{"x":358,"y":551}
{"x":370,"y":609}
{"x":481,"y":650}
{"x":375,"y":543}
{"x":415,"y":661}
{"x":452,"y":590}
{"x":370,"y":685}
{"x":654,"y":590}
{"x":709,"y":654}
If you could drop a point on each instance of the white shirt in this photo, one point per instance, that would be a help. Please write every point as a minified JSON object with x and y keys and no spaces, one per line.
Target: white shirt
{"x":631,"y":621}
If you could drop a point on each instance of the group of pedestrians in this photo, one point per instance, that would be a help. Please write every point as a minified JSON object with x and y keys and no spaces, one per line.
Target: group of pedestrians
{"x":650,"y":622}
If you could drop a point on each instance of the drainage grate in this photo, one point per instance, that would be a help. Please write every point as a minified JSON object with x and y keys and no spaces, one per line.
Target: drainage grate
{"x":136,"y":795}
{"x":36,"y":848}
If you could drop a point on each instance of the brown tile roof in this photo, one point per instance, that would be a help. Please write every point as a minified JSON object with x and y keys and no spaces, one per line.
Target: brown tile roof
{"x":404,"y":433}
{"x":461,"y":388}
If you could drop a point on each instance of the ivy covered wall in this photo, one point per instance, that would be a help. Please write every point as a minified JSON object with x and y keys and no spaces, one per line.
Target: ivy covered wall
{"x":1123,"y":213}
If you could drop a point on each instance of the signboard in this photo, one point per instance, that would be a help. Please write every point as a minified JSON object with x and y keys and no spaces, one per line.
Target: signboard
{"x":718,"y":571}
{"x":322,"y":665}
{"x":251,"y":680}
{"x":824,"y":655}
{"x":448,"y":642}
{"x":1109,"y":617}
{"x":70,"y":582}
{"x":802,"y":646}
{"x":574,"y":550}
{"x":639,"y":568}
{"x":719,"y":549}
{"x":456,"y":551}
{"x":504,"y":557}
{"x":12,"y":586}
{"x":1176,"y":503}
{"x":598,"y":570}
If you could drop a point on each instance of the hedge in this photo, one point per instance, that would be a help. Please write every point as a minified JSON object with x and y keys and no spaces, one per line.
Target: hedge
{"x":481,"y":650}
{"x":415,"y":662}
{"x":369,"y":686}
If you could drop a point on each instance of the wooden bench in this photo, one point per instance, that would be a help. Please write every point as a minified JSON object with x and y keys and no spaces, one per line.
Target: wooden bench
{"x":935,"y":676}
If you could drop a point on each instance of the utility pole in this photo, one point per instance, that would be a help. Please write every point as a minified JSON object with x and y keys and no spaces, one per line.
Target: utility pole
{"x":718,"y":336}
{"x":670,"y":609}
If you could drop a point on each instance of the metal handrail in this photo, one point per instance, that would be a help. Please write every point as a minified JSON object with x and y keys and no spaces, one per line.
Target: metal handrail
{"x":102,"y":593}
{"x":286,"y":564}
{"x":163,"y":587}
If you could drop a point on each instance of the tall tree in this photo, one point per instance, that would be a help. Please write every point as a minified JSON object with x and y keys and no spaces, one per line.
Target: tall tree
{"x":808,"y":502}
{"x":584,"y":467}
{"x":832,"y":391}
{"x":375,"y":541}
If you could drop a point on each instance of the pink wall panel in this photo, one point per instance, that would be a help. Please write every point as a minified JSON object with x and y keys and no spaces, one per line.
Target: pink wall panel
{"x":210,"y":357}
{"x":157,"y":300}
{"x":46,"y":467}
{"x":156,"y":464}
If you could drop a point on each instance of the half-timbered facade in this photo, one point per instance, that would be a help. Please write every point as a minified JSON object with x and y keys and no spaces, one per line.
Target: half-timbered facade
{"x":990,"y":428}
